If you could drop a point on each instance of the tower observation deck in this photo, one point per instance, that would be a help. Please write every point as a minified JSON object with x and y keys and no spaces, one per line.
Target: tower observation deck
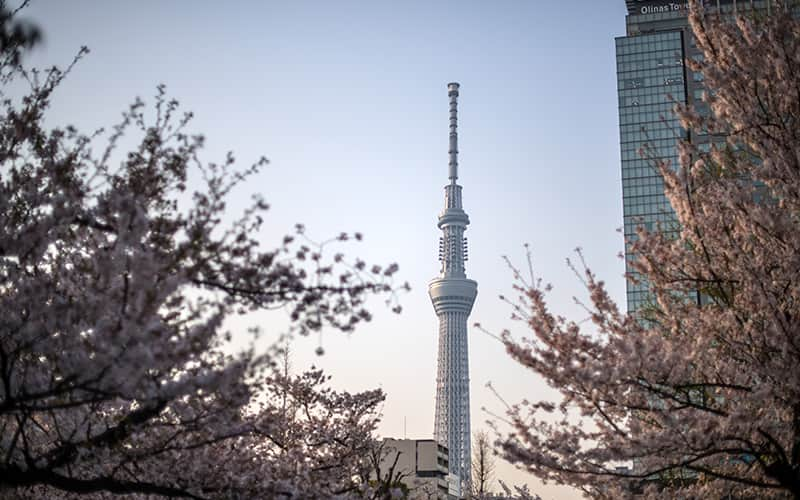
{"x":453,"y":295}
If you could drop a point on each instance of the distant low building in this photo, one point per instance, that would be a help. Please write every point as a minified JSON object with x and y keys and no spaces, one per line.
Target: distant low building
{"x":422,"y":465}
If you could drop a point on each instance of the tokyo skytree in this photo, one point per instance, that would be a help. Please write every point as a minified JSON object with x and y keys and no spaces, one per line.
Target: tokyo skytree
{"x":452,"y":295}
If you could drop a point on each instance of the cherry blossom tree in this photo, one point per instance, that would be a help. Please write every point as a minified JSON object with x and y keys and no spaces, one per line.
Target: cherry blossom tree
{"x":699,"y":395}
{"x":117,"y":375}
{"x":514,"y":492}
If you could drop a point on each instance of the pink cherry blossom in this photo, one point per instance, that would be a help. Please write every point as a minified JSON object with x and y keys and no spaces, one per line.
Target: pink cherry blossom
{"x":698,"y":395}
{"x":116,"y":376}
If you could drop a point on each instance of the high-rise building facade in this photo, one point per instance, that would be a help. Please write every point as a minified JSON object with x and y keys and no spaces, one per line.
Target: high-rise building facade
{"x":651,"y":79}
{"x":453,"y":295}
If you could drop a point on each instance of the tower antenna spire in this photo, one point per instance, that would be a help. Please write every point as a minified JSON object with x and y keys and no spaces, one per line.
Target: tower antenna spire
{"x":452,"y":92}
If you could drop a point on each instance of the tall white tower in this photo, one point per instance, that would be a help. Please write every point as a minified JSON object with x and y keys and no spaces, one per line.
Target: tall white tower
{"x":452,"y":295}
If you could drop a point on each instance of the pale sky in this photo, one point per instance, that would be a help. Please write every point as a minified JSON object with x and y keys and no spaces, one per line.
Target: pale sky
{"x":348,"y":100}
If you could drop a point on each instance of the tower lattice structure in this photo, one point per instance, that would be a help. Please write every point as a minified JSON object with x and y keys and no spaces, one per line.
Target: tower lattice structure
{"x":453,"y":295}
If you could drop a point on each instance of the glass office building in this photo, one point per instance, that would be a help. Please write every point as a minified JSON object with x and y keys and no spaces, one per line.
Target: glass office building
{"x":651,"y":79}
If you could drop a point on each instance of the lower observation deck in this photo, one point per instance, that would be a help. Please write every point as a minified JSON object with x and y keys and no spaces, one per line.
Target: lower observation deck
{"x":453,"y":294}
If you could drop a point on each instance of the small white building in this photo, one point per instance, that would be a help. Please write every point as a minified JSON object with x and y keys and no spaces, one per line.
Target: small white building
{"x":423,"y":467}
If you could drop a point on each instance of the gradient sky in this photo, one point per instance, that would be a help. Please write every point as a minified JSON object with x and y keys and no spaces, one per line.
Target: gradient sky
{"x":348,"y":100}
